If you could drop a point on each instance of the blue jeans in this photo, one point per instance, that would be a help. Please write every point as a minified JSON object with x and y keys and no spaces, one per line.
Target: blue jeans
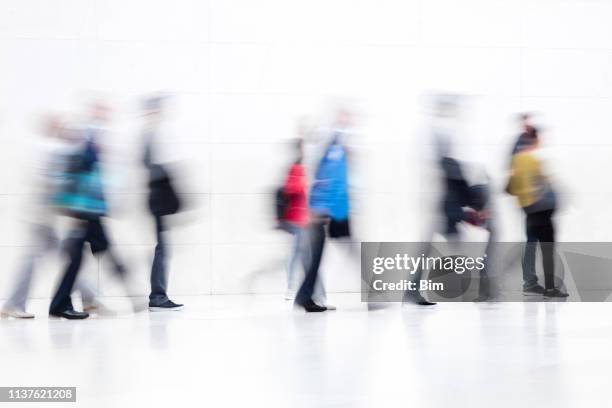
{"x":159,"y":276}
{"x":299,"y":254}
{"x":312,"y":288}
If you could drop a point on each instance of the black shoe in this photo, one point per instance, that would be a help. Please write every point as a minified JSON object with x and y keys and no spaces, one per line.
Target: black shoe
{"x":417,"y":299}
{"x":311,"y":306}
{"x":70,"y":314}
{"x":536,"y":290}
{"x":555,"y":293}
{"x":168,"y":305}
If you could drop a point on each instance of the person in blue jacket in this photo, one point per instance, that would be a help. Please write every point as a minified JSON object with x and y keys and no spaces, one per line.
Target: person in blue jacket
{"x":329,"y":207}
{"x":329,"y":195}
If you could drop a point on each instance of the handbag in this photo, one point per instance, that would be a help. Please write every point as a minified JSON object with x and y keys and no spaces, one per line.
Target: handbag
{"x":339,"y":228}
{"x":163,"y":199}
{"x":547,"y":200}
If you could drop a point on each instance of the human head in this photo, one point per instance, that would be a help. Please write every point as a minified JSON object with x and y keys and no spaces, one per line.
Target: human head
{"x":304,"y":127}
{"x":447,"y":105}
{"x":531,"y":139}
{"x":51,"y":126}
{"x":56,"y":127}
{"x":99,"y":111}
{"x":525,"y":121}
{"x":298,"y":148}
{"x":344,"y":118}
{"x":153,"y":107}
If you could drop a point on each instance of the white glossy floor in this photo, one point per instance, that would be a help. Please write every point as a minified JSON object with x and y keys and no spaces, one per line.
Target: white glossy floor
{"x":246,"y":351}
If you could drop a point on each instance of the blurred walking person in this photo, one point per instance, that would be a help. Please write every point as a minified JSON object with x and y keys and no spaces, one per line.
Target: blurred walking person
{"x":43,"y":216}
{"x":294,"y":218}
{"x":163,"y":201}
{"x":329,"y":209}
{"x":538,"y":200}
{"x":82,"y":198}
{"x":531,"y":286}
{"x":463,"y":200}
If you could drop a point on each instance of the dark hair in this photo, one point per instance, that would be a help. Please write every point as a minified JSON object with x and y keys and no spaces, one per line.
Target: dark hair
{"x":531,"y":136}
{"x":298,"y":144}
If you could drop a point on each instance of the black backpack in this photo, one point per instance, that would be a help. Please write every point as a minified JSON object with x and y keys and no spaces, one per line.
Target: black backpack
{"x":281,"y":201}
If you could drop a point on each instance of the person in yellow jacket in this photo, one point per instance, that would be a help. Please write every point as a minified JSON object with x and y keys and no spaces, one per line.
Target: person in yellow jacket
{"x":537,"y":198}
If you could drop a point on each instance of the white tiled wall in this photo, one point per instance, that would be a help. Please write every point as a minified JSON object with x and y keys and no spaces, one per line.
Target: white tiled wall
{"x":243,"y":71}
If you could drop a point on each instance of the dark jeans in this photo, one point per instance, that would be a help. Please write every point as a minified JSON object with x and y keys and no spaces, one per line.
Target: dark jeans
{"x":540,"y":229}
{"x":317,"y":243}
{"x":90,"y":231}
{"x":159,"y":275}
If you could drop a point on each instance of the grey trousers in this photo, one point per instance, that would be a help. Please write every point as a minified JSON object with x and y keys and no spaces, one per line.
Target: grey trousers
{"x":44,"y":241}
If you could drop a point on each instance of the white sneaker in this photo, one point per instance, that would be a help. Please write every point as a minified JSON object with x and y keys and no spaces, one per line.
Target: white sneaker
{"x":289,"y":295}
{"x":16,"y":313}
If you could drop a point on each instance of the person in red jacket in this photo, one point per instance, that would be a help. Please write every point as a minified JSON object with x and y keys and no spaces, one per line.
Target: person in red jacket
{"x":295,"y":189}
{"x":295,"y":219}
